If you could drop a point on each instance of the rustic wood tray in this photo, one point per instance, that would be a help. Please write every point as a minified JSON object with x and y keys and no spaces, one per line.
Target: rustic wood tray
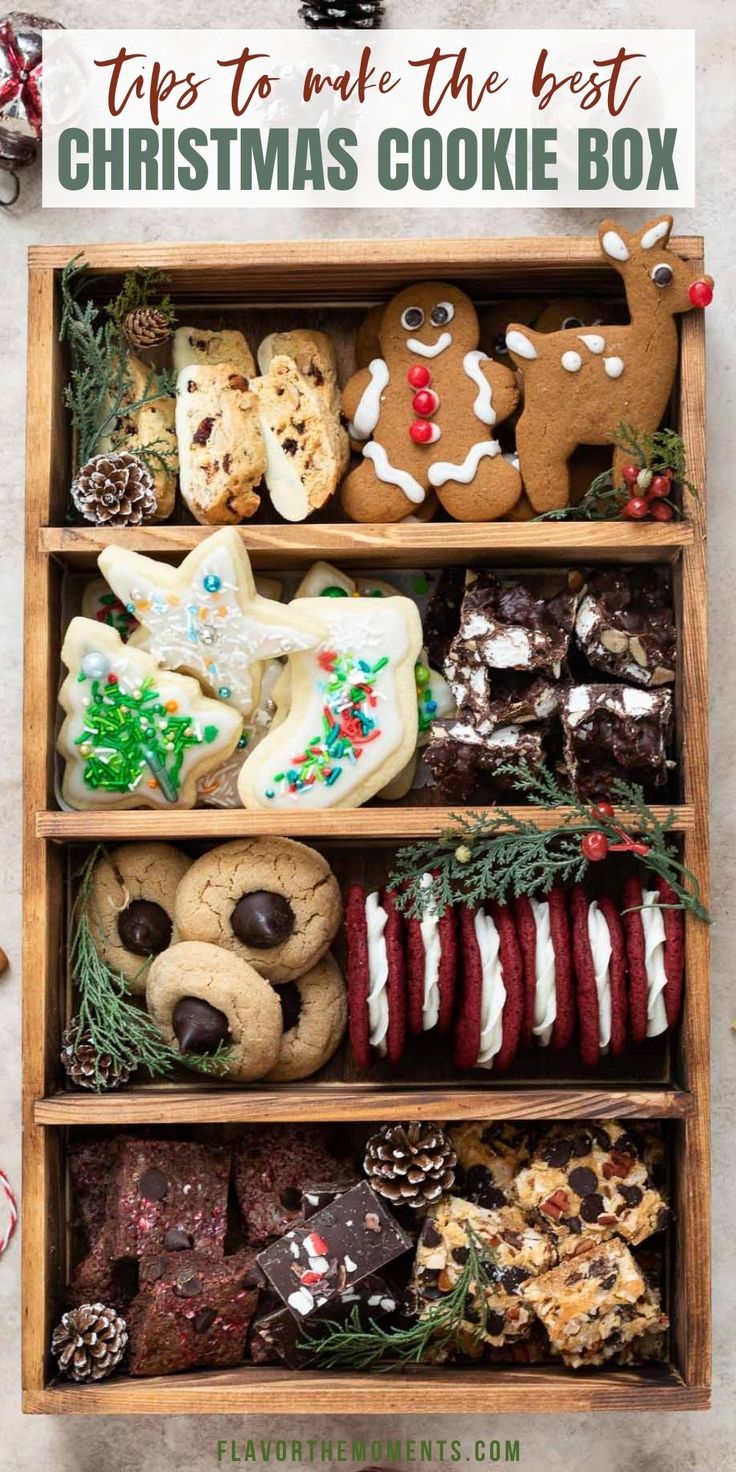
{"x":335,"y":280}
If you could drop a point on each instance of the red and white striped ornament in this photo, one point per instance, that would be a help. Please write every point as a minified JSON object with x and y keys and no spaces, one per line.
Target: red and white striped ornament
{"x":12,"y":1212}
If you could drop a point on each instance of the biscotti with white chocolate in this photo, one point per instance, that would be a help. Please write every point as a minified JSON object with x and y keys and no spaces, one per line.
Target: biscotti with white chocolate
{"x":196,"y":345}
{"x":221,"y":452}
{"x":301,"y":464}
{"x":313,"y":354}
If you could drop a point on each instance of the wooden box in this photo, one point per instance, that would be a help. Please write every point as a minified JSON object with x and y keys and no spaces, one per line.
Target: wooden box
{"x":337,"y":281}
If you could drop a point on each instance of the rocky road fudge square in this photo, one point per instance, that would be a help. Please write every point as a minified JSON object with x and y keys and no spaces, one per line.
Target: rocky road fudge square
{"x":625,"y":625}
{"x":589,"y":1180}
{"x":517,"y":1249}
{"x":616,"y":731}
{"x":595,"y":1303}
{"x":515,"y":627}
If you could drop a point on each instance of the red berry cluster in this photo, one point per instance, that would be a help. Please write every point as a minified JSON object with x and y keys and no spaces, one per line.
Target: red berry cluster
{"x":649,"y":493}
{"x":596,"y":846}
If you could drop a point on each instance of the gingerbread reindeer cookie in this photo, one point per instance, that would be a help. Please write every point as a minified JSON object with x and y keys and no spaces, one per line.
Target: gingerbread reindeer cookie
{"x":579,"y":386}
{"x":424,"y":413}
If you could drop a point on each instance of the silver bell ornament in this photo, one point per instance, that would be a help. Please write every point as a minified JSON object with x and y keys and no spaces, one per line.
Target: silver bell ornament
{"x":21,"y":93}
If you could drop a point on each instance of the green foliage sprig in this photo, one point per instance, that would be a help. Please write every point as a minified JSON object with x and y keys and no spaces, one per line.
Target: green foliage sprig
{"x":353,"y":1346}
{"x":497,"y":856}
{"x":117,"y":1027}
{"x":663,"y":450}
{"x":100,"y":391}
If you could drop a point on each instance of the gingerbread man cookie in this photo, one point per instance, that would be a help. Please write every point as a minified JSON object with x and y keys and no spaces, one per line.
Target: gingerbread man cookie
{"x":580,"y":386}
{"x":424,"y":413}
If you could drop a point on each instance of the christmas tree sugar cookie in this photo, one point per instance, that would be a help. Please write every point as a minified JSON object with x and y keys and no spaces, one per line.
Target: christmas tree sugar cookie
{"x":352,"y":722}
{"x":206,"y":618}
{"x":134,"y":735}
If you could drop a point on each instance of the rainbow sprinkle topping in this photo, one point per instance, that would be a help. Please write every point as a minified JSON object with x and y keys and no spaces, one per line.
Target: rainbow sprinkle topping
{"x":349,"y":723}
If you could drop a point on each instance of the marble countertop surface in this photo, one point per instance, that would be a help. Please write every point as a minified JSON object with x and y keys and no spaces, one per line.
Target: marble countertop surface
{"x":615,"y":1443}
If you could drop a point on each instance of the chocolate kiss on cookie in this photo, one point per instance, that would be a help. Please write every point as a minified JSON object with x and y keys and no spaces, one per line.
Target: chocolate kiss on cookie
{"x":543,"y":929}
{"x":314,"y":1013}
{"x":599,"y":961}
{"x":376,"y":973}
{"x":655,"y":951}
{"x":131,"y":906}
{"x":200,"y":995}
{"x":431,"y":965}
{"x":273,"y":902}
{"x":488,"y":1028}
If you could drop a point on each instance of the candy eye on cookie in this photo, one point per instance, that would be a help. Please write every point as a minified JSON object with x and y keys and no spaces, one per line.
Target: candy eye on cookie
{"x":441,"y":314}
{"x":662,"y":275}
{"x":412,"y":318}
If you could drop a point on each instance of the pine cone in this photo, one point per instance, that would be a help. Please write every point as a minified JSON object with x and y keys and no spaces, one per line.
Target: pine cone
{"x":148,"y":333}
{"x":90,"y":1342}
{"x":115,"y":490}
{"x":87,"y":1068}
{"x":411,"y":1165}
{"x":342,"y":14}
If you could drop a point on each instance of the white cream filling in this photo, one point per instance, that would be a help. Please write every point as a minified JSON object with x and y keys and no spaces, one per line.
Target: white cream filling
{"x":600,"y":945}
{"x":429,"y":927}
{"x":376,"y":919}
{"x":545,"y":991}
{"x":493,"y":991}
{"x":652,"y":921}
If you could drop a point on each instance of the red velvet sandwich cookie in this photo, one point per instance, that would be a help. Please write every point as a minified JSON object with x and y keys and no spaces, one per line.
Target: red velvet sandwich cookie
{"x":488,"y":1029}
{"x":431,"y":966}
{"x":655,"y":949}
{"x":376,"y":975}
{"x":599,"y":959}
{"x":543,"y":929}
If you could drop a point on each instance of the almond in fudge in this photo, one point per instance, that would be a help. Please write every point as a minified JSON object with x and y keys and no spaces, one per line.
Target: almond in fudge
{"x":269,"y":1170}
{"x":625,"y":625}
{"x":616,"y":731}
{"x":316,"y":1261}
{"x":159,"y":1186}
{"x":595,"y":1303}
{"x":192,"y":1311}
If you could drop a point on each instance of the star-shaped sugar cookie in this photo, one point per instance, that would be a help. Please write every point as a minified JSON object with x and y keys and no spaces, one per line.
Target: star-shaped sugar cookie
{"x":206,"y":618}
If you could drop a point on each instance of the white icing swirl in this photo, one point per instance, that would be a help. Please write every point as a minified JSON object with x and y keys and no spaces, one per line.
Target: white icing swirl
{"x":442,"y":471}
{"x":429,"y":927}
{"x":483,"y":407}
{"x":652,"y":921}
{"x":391,"y":476}
{"x":493,"y":991}
{"x":376,"y":919}
{"x":545,"y":991}
{"x":600,"y":945}
{"x":368,"y":411}
{"x":429,"y":350}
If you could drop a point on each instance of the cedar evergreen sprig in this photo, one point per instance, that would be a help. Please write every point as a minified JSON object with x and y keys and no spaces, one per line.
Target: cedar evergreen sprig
{"x":138,"y":290}
{"x":497,"y":856}
{"x":117,"y":1027}
{"x":660,"y":451}
{"x":352,"y":1346}
{"x":100,"y":390}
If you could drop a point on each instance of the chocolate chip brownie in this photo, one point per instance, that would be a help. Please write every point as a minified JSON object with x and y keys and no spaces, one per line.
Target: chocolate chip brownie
{"x":594,"y":1304}
{"x":222,"y":457}
{"x":159,"y":1186}
{"x":192,"y":1311}
{"x":269,"y":1168}
{"x":518,"y":1251}
{"x":589,"y":1180}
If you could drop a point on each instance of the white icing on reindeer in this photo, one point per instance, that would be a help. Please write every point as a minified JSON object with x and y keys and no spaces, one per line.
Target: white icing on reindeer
{"x":368,"y":411}
{"x":516,"y":342}
{"x":652,"y":237}
{"x":593,"y":341}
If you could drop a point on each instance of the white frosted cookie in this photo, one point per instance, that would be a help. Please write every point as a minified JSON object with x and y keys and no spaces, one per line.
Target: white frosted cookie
{"x":302,"y":470}
{"x":221,"y":452}
{"x":352,"y":723}
{"x":313,"y":354}
{"x":135,"y":736}
{"x":198,"y":345}
{"x":205,"y":616}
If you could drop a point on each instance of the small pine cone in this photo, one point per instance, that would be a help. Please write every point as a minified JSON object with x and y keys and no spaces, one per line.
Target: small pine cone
{"x":115,"y":490}
{"x":342,"y":14}
{"x":90,"y":1342}
{"x":411,"y":1165}
{"x":148,"y":332}
{"x":87,"y":1068}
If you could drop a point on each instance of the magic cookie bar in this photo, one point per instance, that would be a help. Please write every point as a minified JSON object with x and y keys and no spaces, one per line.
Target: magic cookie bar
{"x":509,"y":625}
{"x":489,"y":1158}
{"x":615,"y":731}
{"x":594,"y":1304}
{"x":589,"y":1180}
{"x":625,"y":624}
{"x":518,"y":1251}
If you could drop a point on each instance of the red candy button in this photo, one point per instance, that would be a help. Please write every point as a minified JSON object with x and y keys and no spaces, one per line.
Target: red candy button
{"x":701,"y":293}
{"x":426,"y":402}
{"x":421,"y":432}
{"x":419,"y":376}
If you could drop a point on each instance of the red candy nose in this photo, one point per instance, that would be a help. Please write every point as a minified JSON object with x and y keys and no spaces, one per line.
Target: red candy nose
{"x":701,"y":293}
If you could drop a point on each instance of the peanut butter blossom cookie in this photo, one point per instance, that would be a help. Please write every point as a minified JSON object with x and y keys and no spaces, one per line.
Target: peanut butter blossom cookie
{"x":271,"y":901}
{"x":203,"y":999}
{"x":131,"y":906}
{"x":314,"y":1012}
